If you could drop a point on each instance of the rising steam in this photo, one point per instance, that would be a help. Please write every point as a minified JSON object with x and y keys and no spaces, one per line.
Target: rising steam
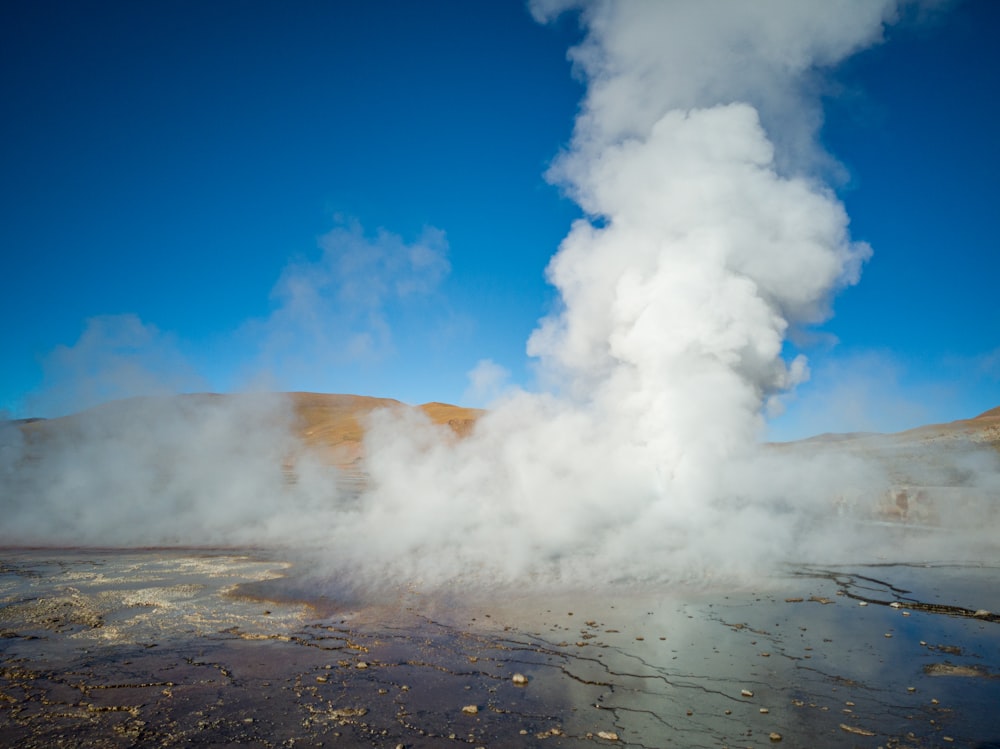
{"x":710,"y":234}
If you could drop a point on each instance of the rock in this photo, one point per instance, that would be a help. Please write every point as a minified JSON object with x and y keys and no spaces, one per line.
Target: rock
{"x":607,"y":735}
{"x":349,"y":712}
{"x":856,"y":730}
{"x":774,"y":736}
{"x":361,"y":664}
{"x":470,"y":709}
{"x":982,"y":614}
{"x":519,"y":679}
{"x":746,"y":693}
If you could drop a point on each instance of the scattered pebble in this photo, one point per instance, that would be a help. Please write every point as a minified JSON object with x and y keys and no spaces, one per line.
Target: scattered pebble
{"x":896,"y":605}
{"x":470,"y":709}
{"x":764,"y":711}
{"x":982,"y":613}
{"x":607,"y":735}
{"x":322,"y":679}
{"x":888,"y":634}
{"x":746,"y":693}
{"x":856,"y":730}
{"x":519,"y":679}
{"x":774,"y":736}
{"x":361,"y":664}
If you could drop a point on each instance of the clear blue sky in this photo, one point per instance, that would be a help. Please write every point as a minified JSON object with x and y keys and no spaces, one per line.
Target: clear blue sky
{"x":169,"y":172}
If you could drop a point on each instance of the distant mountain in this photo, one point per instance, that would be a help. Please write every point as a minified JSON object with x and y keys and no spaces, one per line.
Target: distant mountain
{"x":922,"y":470}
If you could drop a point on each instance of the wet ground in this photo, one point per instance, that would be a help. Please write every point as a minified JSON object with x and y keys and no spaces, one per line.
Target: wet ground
{"x":193,"y":647}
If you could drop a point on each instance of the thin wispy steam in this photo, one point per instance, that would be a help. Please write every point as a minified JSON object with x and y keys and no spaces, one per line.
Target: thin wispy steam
{"x":334,"y":311}
{"x":116,"y":356}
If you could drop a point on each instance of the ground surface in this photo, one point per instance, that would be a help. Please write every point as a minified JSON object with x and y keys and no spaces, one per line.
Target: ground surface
{"x":213,"y":648}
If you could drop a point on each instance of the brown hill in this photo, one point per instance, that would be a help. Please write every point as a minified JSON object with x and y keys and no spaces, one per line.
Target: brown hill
{"x":335,"y":424}
{"x":328,"y":424}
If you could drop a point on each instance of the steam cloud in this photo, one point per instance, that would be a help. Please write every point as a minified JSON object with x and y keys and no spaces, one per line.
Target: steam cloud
{"x":710,"y":235}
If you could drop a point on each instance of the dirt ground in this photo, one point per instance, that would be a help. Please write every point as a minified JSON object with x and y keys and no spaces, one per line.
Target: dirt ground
{"x":211,"y":648}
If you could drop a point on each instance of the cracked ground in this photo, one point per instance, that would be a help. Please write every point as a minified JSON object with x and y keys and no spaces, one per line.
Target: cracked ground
{"x":202,"y":648}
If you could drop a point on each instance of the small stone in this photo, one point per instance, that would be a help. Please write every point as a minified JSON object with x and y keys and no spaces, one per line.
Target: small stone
{"x":470,"y":709}
{"x":774,"y":736}
{"x":322,"y":679}
{"x":519,"y":679}
{"x":862,"y":603}
{"x":607,"y":735}
{"x":764,"y":711}
{"x":911,"y":689}
{"x":746,"y":693}
{"x":896,"y":605}
{"x":888,"y":634}
{"x":982,"y":613}
{"x":361,"y":664}
{"x":729,"y":712}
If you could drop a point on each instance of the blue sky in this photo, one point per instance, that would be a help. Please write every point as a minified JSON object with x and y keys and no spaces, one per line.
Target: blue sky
{"x":182,"y":183}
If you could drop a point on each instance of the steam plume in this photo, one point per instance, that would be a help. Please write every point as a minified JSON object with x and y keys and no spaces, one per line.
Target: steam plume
{"x":709,"y":235}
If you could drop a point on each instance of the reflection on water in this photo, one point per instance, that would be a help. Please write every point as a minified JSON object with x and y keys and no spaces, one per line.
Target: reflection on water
{"x":178,"y":647}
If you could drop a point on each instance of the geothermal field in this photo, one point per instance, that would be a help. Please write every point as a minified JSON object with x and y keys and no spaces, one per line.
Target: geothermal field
{"x":268,"y":634}
{"x":626,"y":231}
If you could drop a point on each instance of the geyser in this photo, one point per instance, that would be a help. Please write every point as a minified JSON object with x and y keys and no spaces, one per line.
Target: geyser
{"x":710,"y":233}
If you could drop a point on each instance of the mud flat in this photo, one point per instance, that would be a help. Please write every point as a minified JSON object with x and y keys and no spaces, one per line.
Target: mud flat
{"x":211,"y":648}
